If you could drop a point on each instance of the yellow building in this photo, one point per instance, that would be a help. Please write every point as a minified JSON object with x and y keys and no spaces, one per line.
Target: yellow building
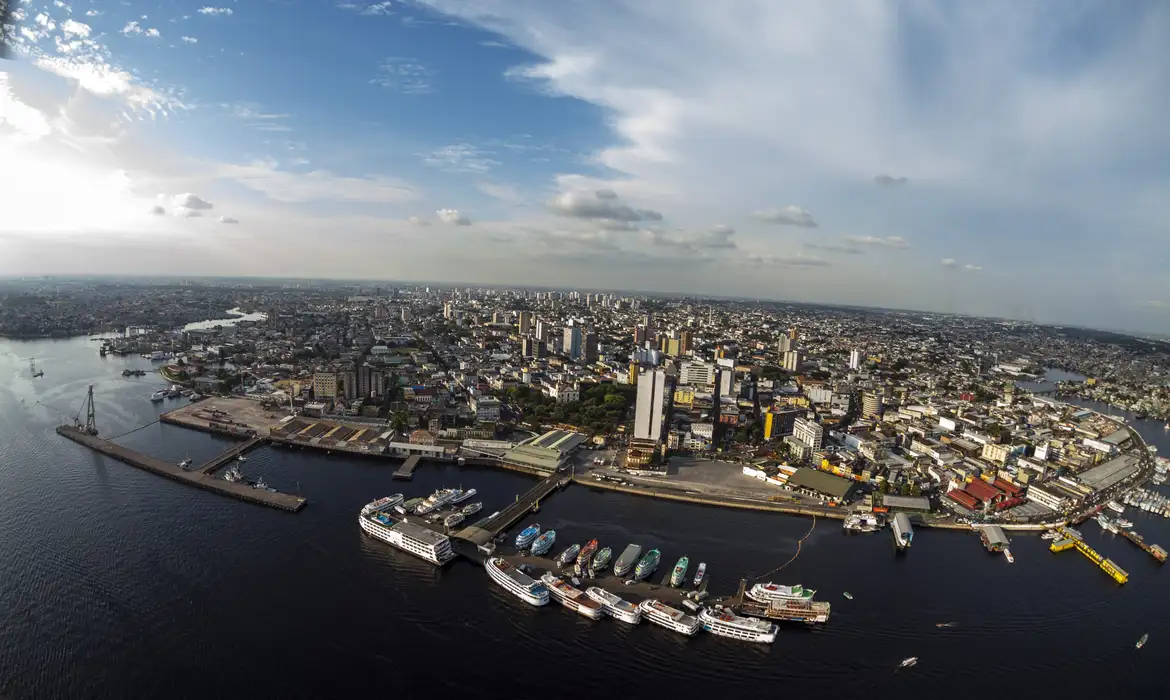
{"x":684,"y":396}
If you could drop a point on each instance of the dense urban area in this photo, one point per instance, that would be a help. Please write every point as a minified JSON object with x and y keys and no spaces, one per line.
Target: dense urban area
{"x":752,"y":403}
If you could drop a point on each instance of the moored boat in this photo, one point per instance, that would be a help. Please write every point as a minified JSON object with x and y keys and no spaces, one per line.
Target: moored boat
{"x":628,"y":560}
{"x":680,"y":571}
{"x":1142,"y":642}
{"x":471,"y":509}
{"x":615,"y":607}
{"x":567,"y":556}
{"x":527,"y":535}
{"x":453,"y":519}
{"x":542,"y":544}
{"x":586,"y":554}
{"x":647,"y":565}
{"x":413,"y":539}
{"x":601,"y":561}
{"x":383,"y":503}
{"x":516,"y":582}
{"x":663,"y":615}
{"x":767,"y":592}
{"x":700,"y":574}
{"x":725,"y":623}
{"x":461,"y":496}
{"x":571,"y":597}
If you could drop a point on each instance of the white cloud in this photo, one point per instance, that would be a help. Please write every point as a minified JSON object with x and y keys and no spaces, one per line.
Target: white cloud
{"x":45,"y":22}
{"x":973,"y":268}
{"x":948,"y":262}
{"x":158,"y":210}
{"x":419,"y":221}
{"x":317,"y":185}
{"x":93,"y":73}
{"x":887,"y":242}
{"x":379,"y":9}
{"x":184,"y":213}
{"x":500,"y":191}
{"x":228,"y":220}
{"x":452,"y":216}
{"x":405,"y":75}
{"x":583,"y":205}
{"x":215,"y":11}
{"x":191,"y":201}
{"x":605,"y":194}
{"x":189,"y":40}
{"x":790,"y":215}
{"x":788,"y":260}
{"x":833,"y":248}
{"x":29,"y":123}
{"x":73,"y":28}
{"x":461,"y":158}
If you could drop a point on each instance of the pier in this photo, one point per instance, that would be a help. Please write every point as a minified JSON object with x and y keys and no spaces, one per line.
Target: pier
{"x":214,"y":464}
{"x":195,"y":478}
{"x":1068,"y":542}
{"x":406,"y":471}
{"x":1153,"y":550}
{"x":483,"y":533}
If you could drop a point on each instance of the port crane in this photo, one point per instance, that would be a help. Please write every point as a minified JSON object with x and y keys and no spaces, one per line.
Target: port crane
{"x":32,"y":368}
{"x":90,"y":427}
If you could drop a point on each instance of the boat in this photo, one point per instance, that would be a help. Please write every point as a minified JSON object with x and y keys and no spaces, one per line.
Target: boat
{"x":411,"y":504}
{"x":725,"y":623}
{"x":413,"y":539}
{"x":862,"y":522}
{"x":1050,"y":535}
{"x":1142,"y":642}
{"x":768,"y":592}
{"x":185,"y":463}
{"x":1123,"y":523}
{"x":158,"y":395}
{"x":663,"y":615}
{"x":1166,"y":427}
{"x":848,"y":595}
{"x":568,"y":555}
{"x":453,"y":519}
{"x":262,"y":486}
{"x":543,"y":543}
{"x":1115,"y":507}
{"x":907,"y":663}
{"x":944,"y":625}
{"x":1106,"y":523}
{"x":903,"y":532}
{"x":241,"y":458}
{"x":233,"y":474}
{"x":462,"y":496}
{"x":516,"y":582}
{"x":586,"y":553}
{"x":647,"y":565}
{"x":572,"y":598}
{"x":527,"y":535}
{"x":1007,"y":553}
{"x":383,"y":503}
{"x":680,"y":571}
{"x":471,"y":509}
{"x":700,"y":574}
{"x":628,"y":560}
{"x":601,"y":561}
{"x":435,"y":501}
{"x":615,"y":607}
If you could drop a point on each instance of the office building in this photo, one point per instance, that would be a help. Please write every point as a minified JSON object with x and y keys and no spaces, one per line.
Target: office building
{"x":542,"y":333}
{"x":571,"y":344}
{"x":648,"y":413}
{"x":697,"y":374}
{"x":325,"y":385}
{"x":809,"y":432}
{"x":590,"y":350}
{"x":525,"y":323}
{"x":871,"y":405}
{"x":791,"y":360}
{"x":406,"y":315}
{"x":528,"y":346}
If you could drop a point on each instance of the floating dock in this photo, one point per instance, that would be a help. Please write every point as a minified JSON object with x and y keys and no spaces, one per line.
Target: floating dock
{"x":1067,"y":542}
{"x":1152,"y":549}
{"x":196,"y":478}
{"x":524,"y":504}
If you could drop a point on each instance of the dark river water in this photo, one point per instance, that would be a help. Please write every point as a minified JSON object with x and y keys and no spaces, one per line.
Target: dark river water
{"x":117,"y":583}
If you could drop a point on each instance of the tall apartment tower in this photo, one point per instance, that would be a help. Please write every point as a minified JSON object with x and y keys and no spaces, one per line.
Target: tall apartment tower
{"x":648,"y":413}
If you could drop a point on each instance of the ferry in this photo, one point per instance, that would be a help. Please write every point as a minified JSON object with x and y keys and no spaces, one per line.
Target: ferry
{"x":1050,"y":535}
{"x":471,"y":509}
{"x":725,"y":623}
{"x":615,"y":607}
{"x":516,"y":582}
{"x":414,"y":539}
{"x":527,"y":535}
{"x":629,"y":558}
{"x":647,"y":565}
{"x":663,"y":615}
{"x":700,"y":573}
{"x":453,"y":519}
{"x":435,"y":501}
{"x":768,"y":592}
{"x":461,"y":496}
{"x":383,"y":503}
{"x":158,"y":395}
{"x":572,"y":598}
{"x":567,"y":556}
{"x":542,"y":544}
{"x":586,"y":553}
{"x":903,"y":532}
{"x":1115,"y":507}
{"x":680,"y":571}
{"x":601,"y":561}
{"x":862,"y":522}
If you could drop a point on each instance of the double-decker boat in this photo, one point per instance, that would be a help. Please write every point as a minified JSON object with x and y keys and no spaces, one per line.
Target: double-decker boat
{"x":615,"y":607}
{"x":768,"y":592}
{"x":571,"y":597}
{"x":680,"y":571}
{"x":516,"y":582}
{"x":647,"y":565}
{"x":663,"y":615}
{"x":725,"y":623}
{"x":542,"y":544}
{"x":527,"y":535}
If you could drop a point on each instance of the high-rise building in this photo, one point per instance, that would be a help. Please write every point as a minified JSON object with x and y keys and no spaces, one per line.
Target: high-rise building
{"x":726,"y":380}
{"x":648,"y":412}
{"x":871,"y":405}
{"x":791,"y":360}
{"x":697,"y":374}
{"x":785,"y":345}
{"x":855,"y":359}
{"x":684,"y":343}
{"x":527,"y":346}
{"x":590,"y":350}
{"x":542,"y":331}
{"x":633,"y":378}
{"x":325,"y":384}
{"x":525,"y":322}
{"x":809,"y":432}
{"x":572,"y":342}
{"x":406,"y":315}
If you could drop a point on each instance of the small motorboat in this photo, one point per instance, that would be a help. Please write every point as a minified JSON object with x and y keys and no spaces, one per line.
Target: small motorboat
{"x":1142,"y":642}
{"x":908,"y":662}
{"x":241,"y":458}
{"x":848,"y":595}
{"x":1007,"y":553}
{"x":944,"y":625}
{"x":185,"y":463}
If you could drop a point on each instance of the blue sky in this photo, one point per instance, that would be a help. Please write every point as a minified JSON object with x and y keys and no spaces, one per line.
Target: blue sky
{"x":999,"y":158}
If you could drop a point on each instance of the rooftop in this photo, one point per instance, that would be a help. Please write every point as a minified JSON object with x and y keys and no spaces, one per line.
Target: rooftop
{"x":1109,"y":473}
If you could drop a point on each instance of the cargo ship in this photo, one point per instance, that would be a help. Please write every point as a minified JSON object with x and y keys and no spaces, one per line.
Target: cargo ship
{"x":903,"y":533}
{"x":527,"y":535}
{"x":628,"y":560}
{"x":647,"y":565}
{"x":725,"y":623}
{"x":586,"y":553}
{"x":516,"y":582}
{"x":768,"y":592}
{"x":615,"y":607}
{"x":601,"y":561}
{"x":680,"y":571}
{"x":572,"y":598}
{"x":663,"y":615}
{"x":542,"y":544}
{"x":413,"y":539}
{"x":567,"y":556}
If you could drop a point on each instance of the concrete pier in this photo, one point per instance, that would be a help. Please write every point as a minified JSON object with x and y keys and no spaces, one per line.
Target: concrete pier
{"x":196,"y":478}
{"x":212,"y":465}
{"x":524,"y":504}
{"x":406,"y":471}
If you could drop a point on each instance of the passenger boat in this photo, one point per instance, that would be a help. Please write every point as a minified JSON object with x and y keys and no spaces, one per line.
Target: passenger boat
{"x":1123,"y":523}
{"x":700,"y":573}
{"x":435,"y":501}
{"x":586,"y":553}
{"x":516,"y":582}
{"x":647,"y":565}
{"x":1007,"y":553}
{"x":461,"y":496}
{"x":862,"y":522}
{"x":471,"y":509}
{"x":544,"y":542}
{"x":768,"y":592}
{"x":615,"y":607}
{"x":453,"y":519}
{"x":1050,"y":535}
{"x":383,"y":503}
{"x":413,"y":539}
{"x":572,"y":598}
{"x":185,"y":463}
{"x":1115,"y":507}
{"x":725,"y":623}
{"x":527,"y":535}
{"x":601,"y":561}
{"x":628,"y":560}
{"x":663,"y":615}
{"x":680,"y":571}
{"x":1142,"y":642}
{"x":568,"y":555}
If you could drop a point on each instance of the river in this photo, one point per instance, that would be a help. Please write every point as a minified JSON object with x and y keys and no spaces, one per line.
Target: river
{"x":117,"y":583}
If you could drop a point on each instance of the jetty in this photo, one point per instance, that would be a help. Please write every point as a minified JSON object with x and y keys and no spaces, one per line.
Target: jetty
{"x":484,"y":532}
{"x":1153,"y":550}
{"x":233,"y":453}
{"x":406,"y":471}
{"x":1068,"y":541}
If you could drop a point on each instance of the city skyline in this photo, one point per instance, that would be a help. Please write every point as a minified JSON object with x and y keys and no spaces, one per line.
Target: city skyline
{"x":993,"y":160}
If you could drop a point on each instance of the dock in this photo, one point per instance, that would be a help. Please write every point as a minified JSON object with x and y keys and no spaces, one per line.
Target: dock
{"x":1068,"y":542}
{"x":483,"y":533}
{"x":196,"y":478}
{"x":214,"y":464}
{"x":406,"y":471}
{"x":1153,"y":550}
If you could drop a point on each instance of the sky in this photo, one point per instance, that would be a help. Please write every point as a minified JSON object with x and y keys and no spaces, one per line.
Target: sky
{"x":997,"y":158}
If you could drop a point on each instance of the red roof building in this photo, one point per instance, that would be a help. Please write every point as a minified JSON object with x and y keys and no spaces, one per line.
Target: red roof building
{"x":1008,"y":488}
{"x":983,"y":491}
{"x":964,"y":499}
